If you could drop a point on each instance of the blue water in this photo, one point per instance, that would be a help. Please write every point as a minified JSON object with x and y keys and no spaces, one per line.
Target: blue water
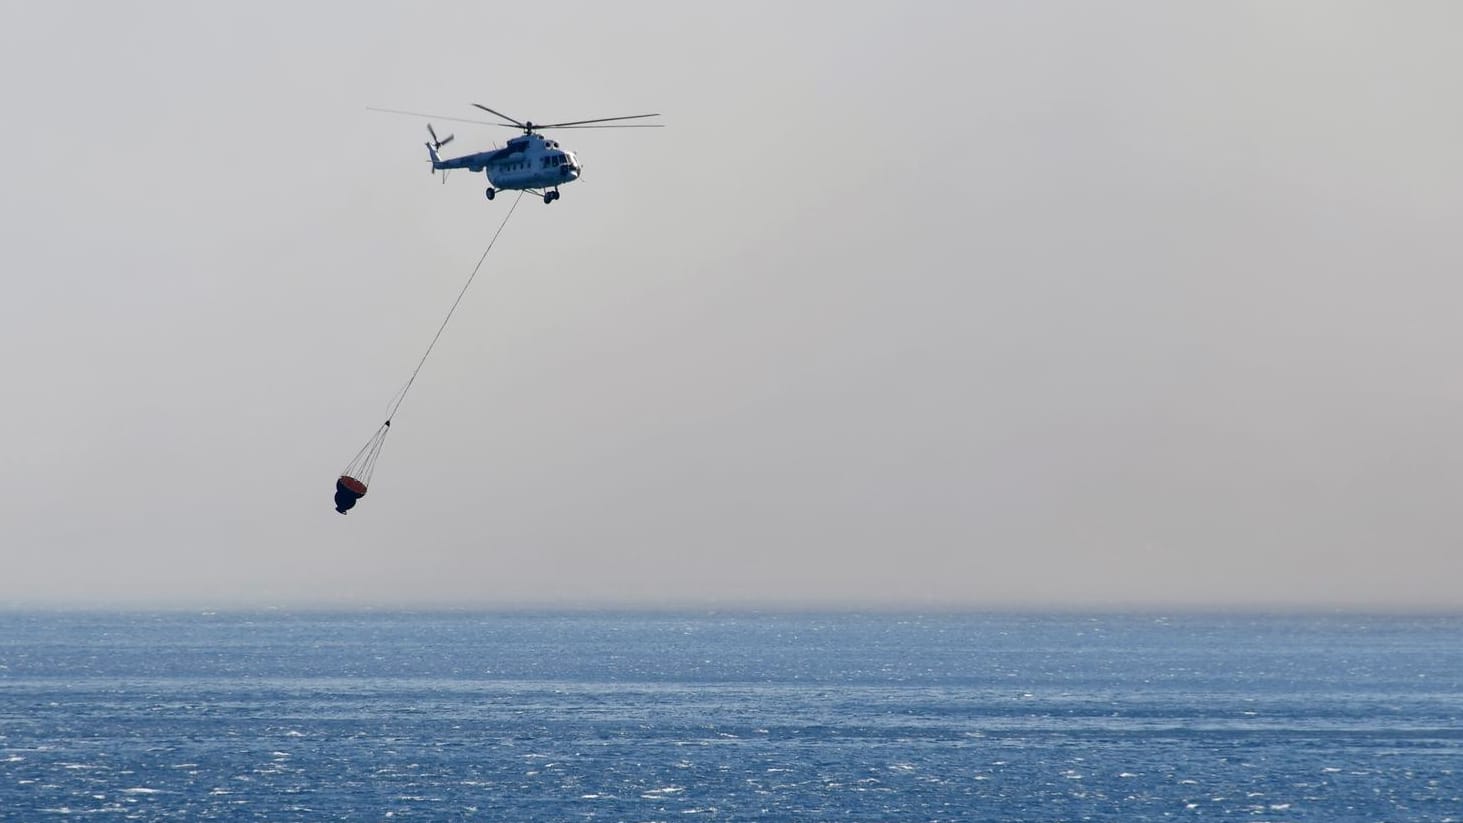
{"x":653,"y":717}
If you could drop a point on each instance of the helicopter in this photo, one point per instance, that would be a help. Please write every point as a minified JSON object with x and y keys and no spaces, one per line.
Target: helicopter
{"x":530,"y":162}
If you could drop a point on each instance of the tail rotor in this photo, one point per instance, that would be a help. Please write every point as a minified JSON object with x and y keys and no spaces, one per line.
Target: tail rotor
{"x":433,"y":146}
{"x":438,"y":144}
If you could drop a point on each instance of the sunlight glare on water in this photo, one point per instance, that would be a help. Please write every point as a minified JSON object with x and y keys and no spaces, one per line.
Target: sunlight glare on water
{"x":457,"y":716}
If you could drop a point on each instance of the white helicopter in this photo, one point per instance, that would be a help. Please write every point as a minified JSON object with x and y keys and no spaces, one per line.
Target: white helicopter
{"x":530,"y":162}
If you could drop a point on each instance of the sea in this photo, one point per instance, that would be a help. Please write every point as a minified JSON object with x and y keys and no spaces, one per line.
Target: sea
{"x":539,"y":716}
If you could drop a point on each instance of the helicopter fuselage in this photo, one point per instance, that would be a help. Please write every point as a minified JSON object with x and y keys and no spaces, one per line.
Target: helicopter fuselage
{"x":529,"y":161}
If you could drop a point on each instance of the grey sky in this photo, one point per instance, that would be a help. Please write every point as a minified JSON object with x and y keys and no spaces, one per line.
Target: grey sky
{"x":979,"y":304}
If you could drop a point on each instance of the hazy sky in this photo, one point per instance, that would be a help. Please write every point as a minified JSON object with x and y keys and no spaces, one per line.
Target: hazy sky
{"x":974,"y":304}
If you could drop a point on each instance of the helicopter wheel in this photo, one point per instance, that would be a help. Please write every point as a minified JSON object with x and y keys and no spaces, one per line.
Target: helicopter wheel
{"x":550,"y":196}
{"x":490,"y":194}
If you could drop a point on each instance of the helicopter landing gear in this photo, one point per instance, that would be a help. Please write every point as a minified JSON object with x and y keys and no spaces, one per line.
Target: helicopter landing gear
{"x":490,"y":193}
{"x":551,"y":196}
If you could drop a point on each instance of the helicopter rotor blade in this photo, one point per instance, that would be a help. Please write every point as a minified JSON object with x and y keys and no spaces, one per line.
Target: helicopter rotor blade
{"x":596,"y":120}
{"x":502,"y":115}
{"x":633,"y":126}
{"x":443,"y":117}
{"x":438,"y":142}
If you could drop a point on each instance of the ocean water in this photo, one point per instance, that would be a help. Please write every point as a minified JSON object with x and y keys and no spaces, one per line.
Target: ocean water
{"x":680,"y":717}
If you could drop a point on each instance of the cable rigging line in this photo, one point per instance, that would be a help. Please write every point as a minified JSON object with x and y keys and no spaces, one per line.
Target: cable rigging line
{"x":355,"y":479}
{"x":401,"y":396}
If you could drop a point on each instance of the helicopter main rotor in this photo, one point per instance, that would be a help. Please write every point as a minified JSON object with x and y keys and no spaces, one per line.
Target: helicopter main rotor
{"x":529,"y":127}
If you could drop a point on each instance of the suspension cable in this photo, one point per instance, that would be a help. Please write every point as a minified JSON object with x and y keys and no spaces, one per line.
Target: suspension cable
{"x":401,"y":395}
{"x":364,"y":463}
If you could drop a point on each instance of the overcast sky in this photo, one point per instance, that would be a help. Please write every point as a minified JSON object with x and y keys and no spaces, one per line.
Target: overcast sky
{"x":928,"y":304}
